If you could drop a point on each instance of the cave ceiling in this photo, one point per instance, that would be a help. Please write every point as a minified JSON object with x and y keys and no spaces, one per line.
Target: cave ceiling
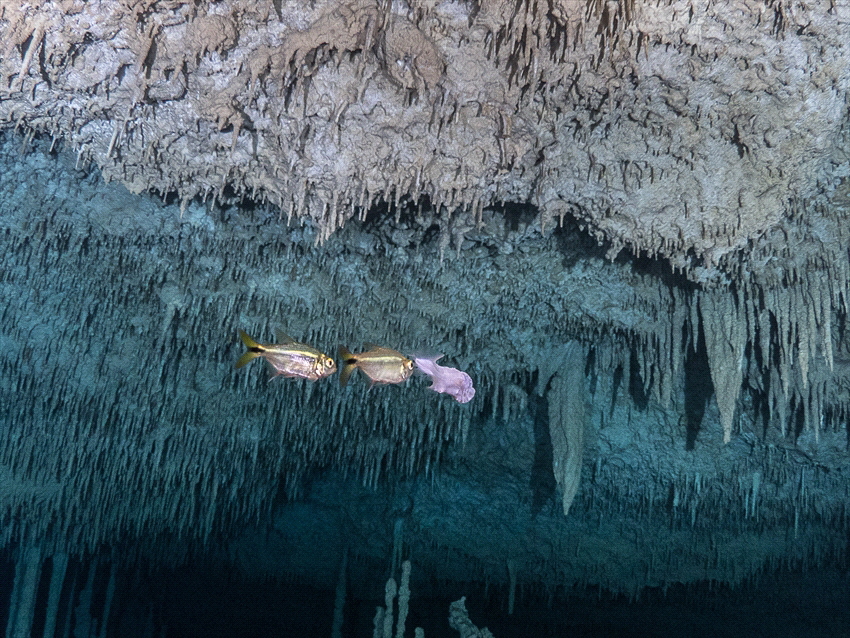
{"x":655,"y":190}
{"x":682,"y":130}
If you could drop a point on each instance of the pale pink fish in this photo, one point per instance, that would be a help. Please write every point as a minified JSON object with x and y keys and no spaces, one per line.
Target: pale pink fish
{"x":446,"y":380}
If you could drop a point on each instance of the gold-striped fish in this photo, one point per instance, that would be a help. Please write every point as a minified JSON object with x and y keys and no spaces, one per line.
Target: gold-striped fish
{"x":381,"y":365}
{"x":289,"y":358}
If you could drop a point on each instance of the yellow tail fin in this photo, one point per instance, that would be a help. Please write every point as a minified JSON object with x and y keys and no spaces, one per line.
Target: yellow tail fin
{"x":347,"y":365}
{"x":254,"y":350}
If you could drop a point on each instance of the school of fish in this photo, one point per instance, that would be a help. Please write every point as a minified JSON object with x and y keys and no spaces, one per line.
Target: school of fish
{"x":293,"y":359}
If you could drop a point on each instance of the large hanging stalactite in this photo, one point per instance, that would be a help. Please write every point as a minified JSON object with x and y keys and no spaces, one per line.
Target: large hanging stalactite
{"x":725,"y":339}
{"x":567,"y":421}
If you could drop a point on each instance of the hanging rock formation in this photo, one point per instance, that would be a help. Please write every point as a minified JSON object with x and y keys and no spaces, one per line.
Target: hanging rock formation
{"x":659,"y":185}
{"x":567,"y":419}
{"x":673,"y":128}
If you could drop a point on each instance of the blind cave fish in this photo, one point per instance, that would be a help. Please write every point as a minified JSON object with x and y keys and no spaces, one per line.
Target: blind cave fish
{"x":289,"y":358}
{"x":446,"y":380}
{"x":381,"y":365}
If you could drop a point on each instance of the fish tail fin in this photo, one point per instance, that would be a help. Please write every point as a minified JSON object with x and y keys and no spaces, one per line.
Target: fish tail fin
{"x":254,"y":350}
{"x":346,"y":365}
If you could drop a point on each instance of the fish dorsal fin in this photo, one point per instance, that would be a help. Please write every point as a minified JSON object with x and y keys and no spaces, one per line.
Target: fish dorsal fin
{"x":376,"y":349}
{"x":283,"y":338}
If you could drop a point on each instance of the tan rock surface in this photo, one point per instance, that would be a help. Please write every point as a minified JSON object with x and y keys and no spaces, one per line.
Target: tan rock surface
{"x":671,"y":128}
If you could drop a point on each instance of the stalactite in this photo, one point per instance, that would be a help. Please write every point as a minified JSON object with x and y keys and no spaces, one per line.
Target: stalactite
{"x":725,"y":339}
{"x":83,"y":611}
{"x":567,"y":416}
{"x":238,"y":434}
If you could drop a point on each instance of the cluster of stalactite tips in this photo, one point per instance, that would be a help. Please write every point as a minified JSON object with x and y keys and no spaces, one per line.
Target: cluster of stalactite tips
{"x":122,"y":409}
{"x":343,"y":173}
{"x":326,"y":108}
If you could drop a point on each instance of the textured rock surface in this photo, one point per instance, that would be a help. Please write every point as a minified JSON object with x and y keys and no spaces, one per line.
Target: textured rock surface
{"x":688,"y":236}
{"x":119,"y":337}
{"x":673,"y":128}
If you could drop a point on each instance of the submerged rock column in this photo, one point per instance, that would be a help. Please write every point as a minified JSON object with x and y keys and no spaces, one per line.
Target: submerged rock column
{"x":57,"y":578}
{"x":24,"y":590}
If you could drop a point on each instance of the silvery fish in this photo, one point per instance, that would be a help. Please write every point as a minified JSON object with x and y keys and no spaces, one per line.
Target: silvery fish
{"x":289,"y":358}
{"x":381,"y":365}
{"x":446,"y":380}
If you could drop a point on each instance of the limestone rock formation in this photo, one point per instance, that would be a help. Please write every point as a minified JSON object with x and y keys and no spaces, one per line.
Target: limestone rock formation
{"x":627,"y":220}
{"x":674,"y":128}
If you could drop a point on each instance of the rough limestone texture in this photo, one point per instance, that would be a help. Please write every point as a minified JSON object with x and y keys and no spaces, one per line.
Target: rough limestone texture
{"x":680,"y":128}
{"x":124,"y":417}
{"x":688,"y":230}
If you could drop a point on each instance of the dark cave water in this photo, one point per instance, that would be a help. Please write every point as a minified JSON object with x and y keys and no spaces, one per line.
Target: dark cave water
{"x":214,"y":603}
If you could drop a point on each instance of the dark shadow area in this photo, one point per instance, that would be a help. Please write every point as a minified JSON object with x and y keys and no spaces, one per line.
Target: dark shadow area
{"x":798,"y":417}
{"x":219,"y":604}
{"x":7,"y":579}
{"x":542,"y":478}
{"x":698,"y":388}
{"x":39,"y":618}
{"x":657,"y":268}
{"x":637,"y":384}
{"x":516,"y":215}
{"x":186,"y":602}
{"x":615,"y":387}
